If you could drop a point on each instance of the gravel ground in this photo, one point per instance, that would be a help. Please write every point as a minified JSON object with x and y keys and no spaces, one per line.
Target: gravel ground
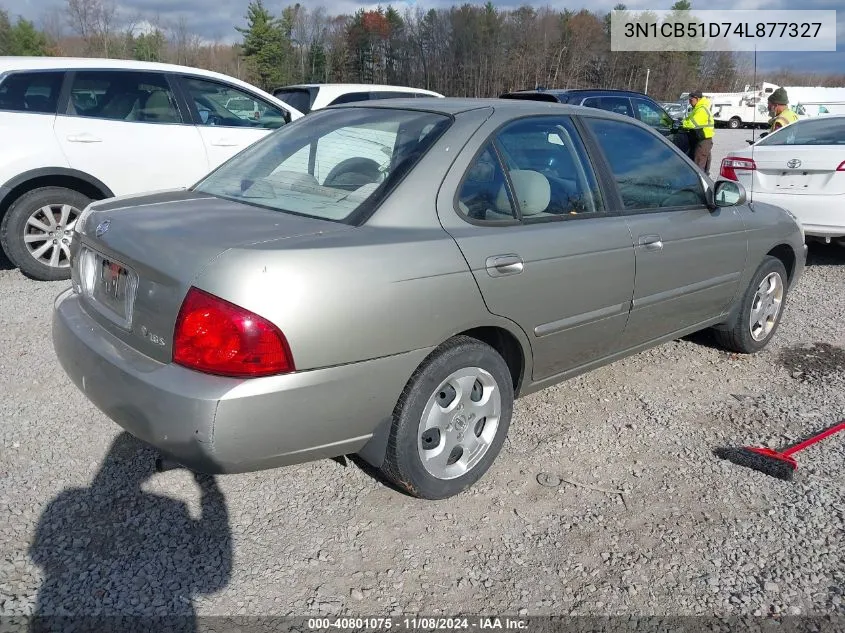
{"x":87,"y":527}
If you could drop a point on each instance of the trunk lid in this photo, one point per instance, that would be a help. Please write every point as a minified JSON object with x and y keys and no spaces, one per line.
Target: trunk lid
{"x":134,"y":275}
{"x":799,"y":169}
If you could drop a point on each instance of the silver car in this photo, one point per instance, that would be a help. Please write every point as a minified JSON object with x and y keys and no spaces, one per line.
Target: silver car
{"x":385,"y":279}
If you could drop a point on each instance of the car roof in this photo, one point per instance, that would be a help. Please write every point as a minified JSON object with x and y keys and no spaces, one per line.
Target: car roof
{"x":563,"y":91}
{"x":457,"y":105}
{"x":12,"y":63}
{"x":348,"y":87}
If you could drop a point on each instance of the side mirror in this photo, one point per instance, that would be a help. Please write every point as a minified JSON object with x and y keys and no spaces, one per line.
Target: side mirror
{"x":728,"y":193}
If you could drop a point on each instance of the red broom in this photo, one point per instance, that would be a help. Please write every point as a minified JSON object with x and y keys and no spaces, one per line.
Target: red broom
{"x":771,"y":462}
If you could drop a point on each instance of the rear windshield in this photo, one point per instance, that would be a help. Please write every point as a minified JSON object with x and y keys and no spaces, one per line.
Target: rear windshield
{"x":299,"y":98}
{"x":818,"y":131}
{"x":333,"y":164}
{"x":532,"y":96}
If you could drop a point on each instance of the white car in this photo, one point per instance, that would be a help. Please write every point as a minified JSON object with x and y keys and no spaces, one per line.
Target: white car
{"x":77,"y":130}
{"x":800,"y":168}
{"x":308,"y":97}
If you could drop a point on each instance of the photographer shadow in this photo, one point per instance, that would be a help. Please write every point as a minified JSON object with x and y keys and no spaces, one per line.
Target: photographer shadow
{"x":116,"y":558}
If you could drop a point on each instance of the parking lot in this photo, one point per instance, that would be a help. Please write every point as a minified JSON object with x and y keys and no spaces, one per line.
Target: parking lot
{"x":606,"y":499}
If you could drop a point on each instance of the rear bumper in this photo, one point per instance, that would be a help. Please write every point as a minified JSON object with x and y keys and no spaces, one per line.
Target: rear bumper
{"x":221,"y":425}
{"x":820,"y":215}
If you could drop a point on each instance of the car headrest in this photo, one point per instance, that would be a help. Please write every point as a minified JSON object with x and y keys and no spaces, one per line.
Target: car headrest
{"x":532,"y":189}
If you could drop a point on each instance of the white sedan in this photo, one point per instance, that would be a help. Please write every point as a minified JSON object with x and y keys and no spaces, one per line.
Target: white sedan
{"x":800,"y":168}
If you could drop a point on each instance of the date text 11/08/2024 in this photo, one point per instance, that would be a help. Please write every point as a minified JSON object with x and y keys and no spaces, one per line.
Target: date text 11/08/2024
{"x":723,"y":29}
{"x":486,"y":623}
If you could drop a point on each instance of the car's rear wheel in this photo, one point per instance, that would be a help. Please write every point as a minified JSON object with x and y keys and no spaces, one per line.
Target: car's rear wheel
{"x":760,"y":312}
{"x":37,"y":230}
{"x":451,"y":421}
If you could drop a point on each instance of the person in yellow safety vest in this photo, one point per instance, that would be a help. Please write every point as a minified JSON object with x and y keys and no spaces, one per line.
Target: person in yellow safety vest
{"x":699,"y":125}
{"x":781,"y":114}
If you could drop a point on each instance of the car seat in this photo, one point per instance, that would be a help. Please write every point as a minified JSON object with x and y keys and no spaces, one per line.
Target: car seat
{"x":533,"y":193}
{"x":158,"y":108}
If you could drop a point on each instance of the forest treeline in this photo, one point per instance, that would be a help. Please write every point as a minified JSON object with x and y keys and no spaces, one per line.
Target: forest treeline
{"x":471,"y":50}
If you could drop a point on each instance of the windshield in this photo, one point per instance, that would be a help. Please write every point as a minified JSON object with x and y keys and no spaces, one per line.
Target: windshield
{"x":820,"y":131}
{"x":299,"y":98}
{"x":330,"y":164}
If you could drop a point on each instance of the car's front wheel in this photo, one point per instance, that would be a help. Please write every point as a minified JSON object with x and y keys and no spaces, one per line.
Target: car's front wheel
{"x":36,"y":231}
{"x":451,"y":420}
{"x":760,"y":312}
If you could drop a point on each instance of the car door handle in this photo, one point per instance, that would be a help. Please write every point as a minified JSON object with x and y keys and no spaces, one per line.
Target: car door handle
{"x":651,"y":242}
{"x":224,"y":142}
{"x":84,"y":138}
{"x":502,"y":265}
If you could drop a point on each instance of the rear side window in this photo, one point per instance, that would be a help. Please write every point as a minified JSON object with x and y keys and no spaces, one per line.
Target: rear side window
{"x":820,"y":131}
{"x":351,"y":97}
{"x":36,"y":92}
{"x":132,"y":96}
{"x":484,"y":193}
{"x":396,"y":94}
{"x":619,"y":105}
{"x":533,"y":96}
{"x":299,"y":98}
{"x":547,"y":169}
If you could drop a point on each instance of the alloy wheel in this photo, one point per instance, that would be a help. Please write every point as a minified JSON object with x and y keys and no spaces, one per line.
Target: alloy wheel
{"x":48,"y":233}
{"x":459,"y":423}
{"x":766,"y":306}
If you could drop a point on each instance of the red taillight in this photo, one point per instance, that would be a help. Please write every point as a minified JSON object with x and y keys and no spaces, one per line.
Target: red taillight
{"x":841,"y":166}
{"x":218,"y":337}
{"x":732,"y":163}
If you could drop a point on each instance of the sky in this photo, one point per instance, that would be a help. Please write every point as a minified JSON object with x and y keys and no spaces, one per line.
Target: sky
{"x":216,"y":20}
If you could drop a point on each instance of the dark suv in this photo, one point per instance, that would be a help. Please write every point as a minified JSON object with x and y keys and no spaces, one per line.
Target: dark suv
{"x":628,"y":102}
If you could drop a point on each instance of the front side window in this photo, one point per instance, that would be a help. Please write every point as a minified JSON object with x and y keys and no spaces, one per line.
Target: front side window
{"x":36,"y":92}
{"x":821,"y":131}
{"x":651,"y":115}
{"x":648,"y":172}
{"x":220,"y":104}
{"x":133,"y":96}
{"x":331,"y":166}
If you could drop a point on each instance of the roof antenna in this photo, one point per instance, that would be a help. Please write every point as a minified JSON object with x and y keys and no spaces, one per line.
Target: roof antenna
{"x":754,"y":126}
{"x":754,"y":130}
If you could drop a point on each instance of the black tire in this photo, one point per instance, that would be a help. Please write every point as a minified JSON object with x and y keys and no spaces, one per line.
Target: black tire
{"x":402,"y":464}
{"x":736,"y":336}
{"x":14,"y":228}
{"x":734,"y":123}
